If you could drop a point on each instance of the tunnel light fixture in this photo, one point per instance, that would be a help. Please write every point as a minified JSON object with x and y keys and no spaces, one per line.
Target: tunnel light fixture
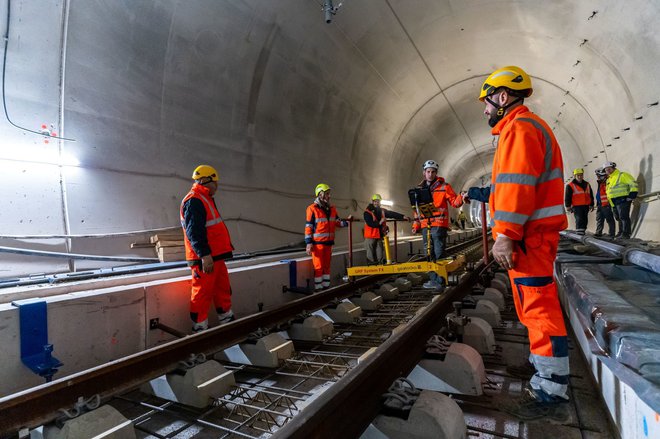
{"x":387,"y":203}
{"x":46,"y":158}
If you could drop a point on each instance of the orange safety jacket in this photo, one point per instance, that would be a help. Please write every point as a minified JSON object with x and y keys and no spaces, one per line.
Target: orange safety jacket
{"x":372,"y":232}
{"x":443,"y":195}
{"x":217,"y":235}
{"x":602,"y":191}
{"x":580,"y":196}
{"x":526,"y":195}
{"x":321,"y":223}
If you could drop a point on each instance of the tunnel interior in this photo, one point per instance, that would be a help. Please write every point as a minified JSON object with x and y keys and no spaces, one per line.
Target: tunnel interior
{"x":111,"y":105}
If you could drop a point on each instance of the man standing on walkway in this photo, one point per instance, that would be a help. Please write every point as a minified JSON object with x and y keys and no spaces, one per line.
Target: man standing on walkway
{"x":375,"y":228}
{"x":621,"y":191}
{"x":525,"y":202}
{"x":603,"y":208}
{"x":321,"y":221}
{"x":579,"y":199}
{"x":207,"y":244}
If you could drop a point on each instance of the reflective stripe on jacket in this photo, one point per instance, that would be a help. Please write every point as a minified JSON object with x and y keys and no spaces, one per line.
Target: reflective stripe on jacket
{"x":620,"y":184}
{"x":320,"y":224}
{"x":211,"y":227}
{"x":443,"y":195}
{"x":527,"y":191}
{"x":581,"y":196}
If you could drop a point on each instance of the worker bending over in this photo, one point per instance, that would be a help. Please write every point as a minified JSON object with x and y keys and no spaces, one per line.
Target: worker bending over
{"x":443,"y":196}
{"x":579,"y":199}
{"x":321,"y":221}
{"x":207,"y":245}
{"x":375,"y":228}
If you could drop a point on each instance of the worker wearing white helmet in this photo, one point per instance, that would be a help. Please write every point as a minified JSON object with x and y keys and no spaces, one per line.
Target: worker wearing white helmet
{"x":603,"y":208}
{"x":443,"y":196}
{"x":621,"y":191}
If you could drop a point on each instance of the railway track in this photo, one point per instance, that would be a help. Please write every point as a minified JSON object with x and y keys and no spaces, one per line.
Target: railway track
{"x":306,"y":396}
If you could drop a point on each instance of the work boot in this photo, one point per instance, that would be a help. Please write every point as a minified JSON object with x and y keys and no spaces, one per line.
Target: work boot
{"x":200,"y":326}
{"x":536,"y":404}
{"x":522,"y":371}
{"x":598,"y":235}
{"x":431,"y":285}
{"x":226,"y":317}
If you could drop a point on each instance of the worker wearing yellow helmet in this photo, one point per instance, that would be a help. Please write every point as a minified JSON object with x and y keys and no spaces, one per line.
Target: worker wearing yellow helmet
{"x":621,"y":191}
{"x":207,"y":244}
{"x":527,"y":211}
{"x":579,"y":199}
{"x":320,"y":223}
{"x":375,"y":228}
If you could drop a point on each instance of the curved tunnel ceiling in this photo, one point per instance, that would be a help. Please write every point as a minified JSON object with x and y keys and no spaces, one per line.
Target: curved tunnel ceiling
{"x":279,"y":101}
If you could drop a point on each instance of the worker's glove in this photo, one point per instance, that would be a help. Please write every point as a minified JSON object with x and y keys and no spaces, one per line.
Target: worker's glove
{"x":569,"y":209}
{"x":591,"y":208}
{"x":207,"y":264}
{"x":308,"y":249}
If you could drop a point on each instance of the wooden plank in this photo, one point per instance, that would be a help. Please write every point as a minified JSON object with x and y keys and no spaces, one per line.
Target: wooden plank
{"x":169,"y":244}
{"x":169,"y":236}
{"x":168,"y":254}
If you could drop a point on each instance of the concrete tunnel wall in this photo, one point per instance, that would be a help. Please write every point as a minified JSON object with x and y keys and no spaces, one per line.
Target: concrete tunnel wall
{"x":279,"y":101}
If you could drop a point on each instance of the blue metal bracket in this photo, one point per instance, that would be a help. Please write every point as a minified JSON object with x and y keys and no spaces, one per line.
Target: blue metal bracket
{"x":35,"y":350}
{"x":293,"y":279}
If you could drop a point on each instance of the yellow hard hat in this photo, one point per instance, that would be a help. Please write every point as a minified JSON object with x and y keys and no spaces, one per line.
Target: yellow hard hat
{"x":321,"y":187}
{"x":511,"y":77}
{"x":577,"y":171}
{"x":203,"y":171}
{"x":375,"y":197}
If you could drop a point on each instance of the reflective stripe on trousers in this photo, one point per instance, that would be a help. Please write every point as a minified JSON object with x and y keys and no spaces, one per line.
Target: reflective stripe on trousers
{"x":537,"y":306}
{"x":321,"y":259}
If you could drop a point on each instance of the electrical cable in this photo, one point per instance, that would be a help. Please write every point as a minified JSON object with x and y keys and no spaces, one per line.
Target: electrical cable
{"x":4,"y":99}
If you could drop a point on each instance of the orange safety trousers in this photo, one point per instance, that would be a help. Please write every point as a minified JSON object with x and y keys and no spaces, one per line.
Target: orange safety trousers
{"x":321,"y":258}
{"x":537,"y":305}
{"x":209,"y":287}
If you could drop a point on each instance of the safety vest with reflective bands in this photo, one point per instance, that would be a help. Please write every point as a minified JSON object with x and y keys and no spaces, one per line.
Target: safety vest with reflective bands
{"x":527,"y":189}
{"x":620,"y":184}
{"x":217,"y":234}
{"x":320,"y":224}
{"x":372,"y":232}
{"x":581,"y":196}
{"x":602,"y":192}
{"x":443,"y":195}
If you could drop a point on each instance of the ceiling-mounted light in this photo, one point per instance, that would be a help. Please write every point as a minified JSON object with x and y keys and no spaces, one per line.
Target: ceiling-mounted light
{"x":387,"y":203}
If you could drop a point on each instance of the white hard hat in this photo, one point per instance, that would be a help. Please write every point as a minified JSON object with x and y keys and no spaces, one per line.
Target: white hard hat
{"x":430,"y":164}
{"x":609,"y":165}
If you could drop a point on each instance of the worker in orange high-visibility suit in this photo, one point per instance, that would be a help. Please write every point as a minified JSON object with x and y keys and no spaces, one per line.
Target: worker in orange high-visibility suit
{"x":207,"y":244}
{"x":320,"y":224}
{"x":579,"y":199}
{"x":443,"y":196}
{"x":526,"y":205}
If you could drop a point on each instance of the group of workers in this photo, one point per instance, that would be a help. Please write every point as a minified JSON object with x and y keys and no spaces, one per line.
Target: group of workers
{"x":527,"y":212}
{"x":612,"y":199}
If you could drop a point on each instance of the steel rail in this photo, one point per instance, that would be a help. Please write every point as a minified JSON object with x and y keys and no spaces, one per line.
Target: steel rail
{"x":36,"y":406}
{"x":334,"y":413}
{"x":633,"y":255}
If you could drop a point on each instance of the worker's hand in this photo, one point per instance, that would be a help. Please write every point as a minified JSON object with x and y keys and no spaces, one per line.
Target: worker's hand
{"x":465,"y":197}
{"x":407,"y":218}
{"x":207,"y":264}
{"x":349,"y":218}
{"x":503,"y":251}
{"x":308,"y":249}
{"x":569,"y":209}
